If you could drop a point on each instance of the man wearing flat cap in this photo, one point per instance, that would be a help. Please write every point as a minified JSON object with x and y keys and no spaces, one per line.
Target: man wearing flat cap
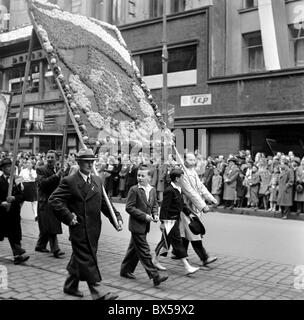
{"x":77,"y":202}
{"x":10,"y":221}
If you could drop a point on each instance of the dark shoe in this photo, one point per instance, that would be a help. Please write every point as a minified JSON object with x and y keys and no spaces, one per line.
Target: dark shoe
{"x":157,"y":281}
{"x":174,"y":257}
{"x":209,"y":260}
{"x":109,"y":296}
{"x":59,"y":254}
{"x":44,"y":250}
{"x":22,"y":251}
{"x":36,"y":219}
{"x":74,"y":293}
{"x":128,"y":275}
{"x":97,"y":284}
{"x":21,"y":259}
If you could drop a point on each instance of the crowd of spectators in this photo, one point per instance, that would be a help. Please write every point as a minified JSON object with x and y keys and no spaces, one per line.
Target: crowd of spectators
{"x":240,"y":180}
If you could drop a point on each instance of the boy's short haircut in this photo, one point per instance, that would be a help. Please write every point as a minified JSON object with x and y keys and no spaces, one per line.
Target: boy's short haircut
{"x":144,"y":167}
{"x":176,"y":173}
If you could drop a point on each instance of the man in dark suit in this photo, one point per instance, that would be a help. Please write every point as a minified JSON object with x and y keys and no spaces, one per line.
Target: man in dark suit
{"x":10,"y":221}
{"x":77,"y":202}
{"x":49,"y":226}
{"x":131,"y":176}
{"x":172,"y":206}
{"x":142,"y":208}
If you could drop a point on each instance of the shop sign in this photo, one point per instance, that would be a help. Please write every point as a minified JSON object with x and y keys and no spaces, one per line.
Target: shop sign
{"x":196,"y":100}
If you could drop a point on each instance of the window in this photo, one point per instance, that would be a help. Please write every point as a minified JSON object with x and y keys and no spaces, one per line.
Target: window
{"x":4,"y":15}
{"x":297,"y":45}
{"x":156,"y":8}
{"x":16,"y":78}
{"x":180,"y":59}
{"x":67,"y":5}
{"x":253,"y":53}
{"x":247,"y":4}
{"x":178,"y":6}
{"x":97,"y":9}
{"x":132,"y":8}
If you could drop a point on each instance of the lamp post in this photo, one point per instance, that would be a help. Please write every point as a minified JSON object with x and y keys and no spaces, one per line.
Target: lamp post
{"x":165,"y":64}
{"x":165,"y":75}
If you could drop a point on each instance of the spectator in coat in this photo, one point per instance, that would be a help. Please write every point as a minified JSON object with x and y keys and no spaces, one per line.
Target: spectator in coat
{"x":254,"y":185}
{"x":274,"y":188}
{"x":221,"y":165}
{"x":122,"y":176}
{"x":49,"y":226}
{"x":299,"y":194}
{"x":77,"y":202}
{"x":207,"y":177}
{"x":286,"y":182}
{"x":112,"y":178}
{"x":247,"y":177}
{"x":241,"y":189}
{"x":10,"y":221}
{"x":216,"y":187}
{"x":265,"y":177}
{"x":230,"y":177}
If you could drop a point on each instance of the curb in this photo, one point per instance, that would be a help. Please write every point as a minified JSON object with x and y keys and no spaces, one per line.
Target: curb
{"x":242,"y":211}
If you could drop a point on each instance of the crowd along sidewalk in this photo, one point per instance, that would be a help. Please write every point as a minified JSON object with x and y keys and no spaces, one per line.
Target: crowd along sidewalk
{"x":42,"y":277}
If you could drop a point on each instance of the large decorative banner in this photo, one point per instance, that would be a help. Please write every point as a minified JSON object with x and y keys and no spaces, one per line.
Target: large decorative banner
{"x":4,"y":105}
{"x":101,"y":81}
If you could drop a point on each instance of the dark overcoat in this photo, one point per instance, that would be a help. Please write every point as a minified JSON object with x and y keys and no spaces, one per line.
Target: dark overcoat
{"x":10,"y":222}
{"x":47,"y":182}
{"x":74,"y":195}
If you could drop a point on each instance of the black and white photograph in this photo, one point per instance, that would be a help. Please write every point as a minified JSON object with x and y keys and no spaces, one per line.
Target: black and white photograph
{"x":151,"y":151}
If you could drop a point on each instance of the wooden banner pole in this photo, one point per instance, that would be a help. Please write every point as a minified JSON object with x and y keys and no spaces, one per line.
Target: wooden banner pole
{"x":65,"y":138}
{"x":18,"y":130}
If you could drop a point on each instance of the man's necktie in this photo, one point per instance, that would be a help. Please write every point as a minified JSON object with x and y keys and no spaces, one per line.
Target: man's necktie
{"x":89,"y":180}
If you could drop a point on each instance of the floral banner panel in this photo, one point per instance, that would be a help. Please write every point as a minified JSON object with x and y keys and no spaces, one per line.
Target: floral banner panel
{"x":102,"y":83}
{"x":4,"y":104}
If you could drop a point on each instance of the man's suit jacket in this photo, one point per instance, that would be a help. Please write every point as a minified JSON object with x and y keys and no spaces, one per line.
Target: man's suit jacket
{"x":172,"y":205}
{"x":47,"y":182}
{"x":10,"y":220}
{"x":74,"y":195}
{"x":138,"y":206}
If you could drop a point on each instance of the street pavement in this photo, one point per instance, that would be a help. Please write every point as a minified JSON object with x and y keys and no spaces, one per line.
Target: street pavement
{"x":233,"y":277}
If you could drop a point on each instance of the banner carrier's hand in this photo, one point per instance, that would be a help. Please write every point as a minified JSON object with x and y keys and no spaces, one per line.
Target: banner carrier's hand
{"x":120,"y":223}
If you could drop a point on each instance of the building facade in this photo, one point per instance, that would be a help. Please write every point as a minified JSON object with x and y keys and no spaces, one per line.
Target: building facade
{"x":235,"y":69}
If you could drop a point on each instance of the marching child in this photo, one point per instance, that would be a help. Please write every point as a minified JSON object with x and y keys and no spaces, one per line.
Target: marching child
{"x":143,"y":209}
